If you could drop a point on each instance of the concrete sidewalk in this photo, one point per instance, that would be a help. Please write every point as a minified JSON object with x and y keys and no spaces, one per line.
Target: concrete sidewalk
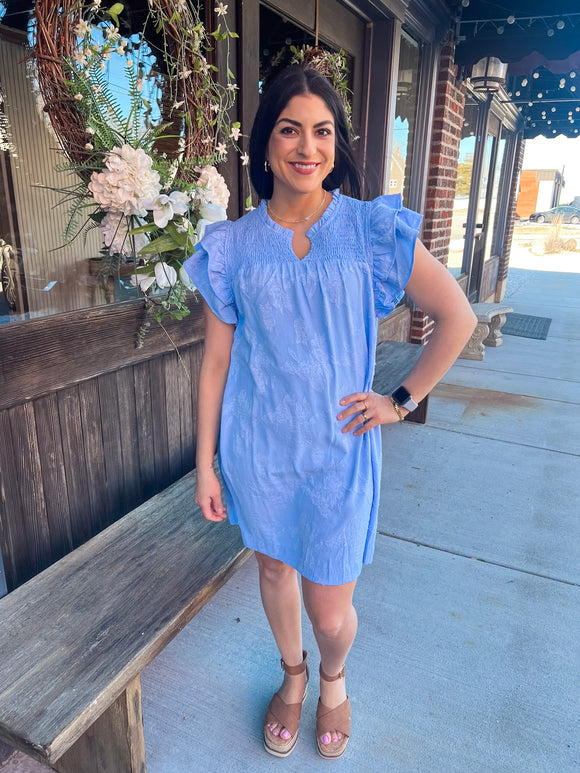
{"x":467,"y":657}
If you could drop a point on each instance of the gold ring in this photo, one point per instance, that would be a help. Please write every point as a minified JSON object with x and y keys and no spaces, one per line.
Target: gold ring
{"x":364,"y":415}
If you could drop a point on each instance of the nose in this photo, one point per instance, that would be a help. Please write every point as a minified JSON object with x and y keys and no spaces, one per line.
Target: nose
{"x":306,"y":145}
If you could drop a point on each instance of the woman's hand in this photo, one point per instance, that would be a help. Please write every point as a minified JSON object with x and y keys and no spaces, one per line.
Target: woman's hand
{"x":368,"y":410}
{"x":208,"y":496}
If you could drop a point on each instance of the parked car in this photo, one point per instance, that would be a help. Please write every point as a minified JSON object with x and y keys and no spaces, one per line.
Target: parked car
{"x":565,"y":211}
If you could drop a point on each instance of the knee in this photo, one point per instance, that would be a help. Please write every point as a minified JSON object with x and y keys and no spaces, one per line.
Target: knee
{"x":273,"y":571}
{"x":329,"y":623}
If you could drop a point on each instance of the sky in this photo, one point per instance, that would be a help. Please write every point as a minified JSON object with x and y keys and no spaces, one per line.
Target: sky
{"x":556,"y":153}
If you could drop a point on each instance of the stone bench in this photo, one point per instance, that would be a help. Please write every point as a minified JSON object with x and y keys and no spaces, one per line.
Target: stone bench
{"x":75,"y":638}
{"x":490,"y":320}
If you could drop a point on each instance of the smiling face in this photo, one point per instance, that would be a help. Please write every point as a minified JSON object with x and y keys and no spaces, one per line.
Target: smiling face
{"x":301,"y":147}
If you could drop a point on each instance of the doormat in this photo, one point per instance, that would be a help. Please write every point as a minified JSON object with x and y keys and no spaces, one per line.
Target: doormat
{"x":526,"y":326}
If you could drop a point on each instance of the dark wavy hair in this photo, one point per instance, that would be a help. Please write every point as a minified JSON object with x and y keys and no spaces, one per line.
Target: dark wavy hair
{"x":291,"y":82}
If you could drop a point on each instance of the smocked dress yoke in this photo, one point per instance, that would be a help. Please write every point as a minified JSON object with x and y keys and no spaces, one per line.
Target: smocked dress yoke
{"x":300,"y":490}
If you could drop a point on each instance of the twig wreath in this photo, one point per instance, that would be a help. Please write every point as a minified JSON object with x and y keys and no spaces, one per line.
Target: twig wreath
{"x":152,"y":187}
{"x":57,"y":41}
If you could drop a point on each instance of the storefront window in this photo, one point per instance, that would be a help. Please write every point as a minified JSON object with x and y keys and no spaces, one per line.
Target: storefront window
{"x":44,"y":269}
{"x":491,"y":247}
{"x":405,"y":118}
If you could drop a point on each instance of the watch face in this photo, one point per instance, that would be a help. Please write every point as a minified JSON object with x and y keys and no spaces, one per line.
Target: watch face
{"x":401,"y":395}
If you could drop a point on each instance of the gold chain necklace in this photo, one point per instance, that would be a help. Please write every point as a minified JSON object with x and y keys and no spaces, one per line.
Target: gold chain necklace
{"x":302,"y":219}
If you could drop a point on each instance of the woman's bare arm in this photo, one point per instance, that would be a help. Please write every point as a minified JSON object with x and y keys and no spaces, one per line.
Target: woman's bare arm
{"x":436,"y":292}
{"x":215,"y":364}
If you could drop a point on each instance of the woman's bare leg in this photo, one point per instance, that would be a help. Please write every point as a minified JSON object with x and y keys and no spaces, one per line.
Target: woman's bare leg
{"x":282,"y":604}
{"x":334,"y":622}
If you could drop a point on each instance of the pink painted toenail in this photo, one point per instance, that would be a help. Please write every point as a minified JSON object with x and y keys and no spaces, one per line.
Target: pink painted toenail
{"x":285,"y":734}
{"x":325,"y":739}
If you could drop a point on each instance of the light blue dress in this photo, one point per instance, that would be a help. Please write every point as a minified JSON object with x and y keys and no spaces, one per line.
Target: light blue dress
{"x":301,"y":490}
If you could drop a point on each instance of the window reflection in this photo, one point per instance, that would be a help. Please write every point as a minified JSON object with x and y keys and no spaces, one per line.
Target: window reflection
{"x":405,"y":118}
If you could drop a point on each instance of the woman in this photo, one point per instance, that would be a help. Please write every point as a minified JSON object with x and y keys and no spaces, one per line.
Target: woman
{"x":292,"y":291}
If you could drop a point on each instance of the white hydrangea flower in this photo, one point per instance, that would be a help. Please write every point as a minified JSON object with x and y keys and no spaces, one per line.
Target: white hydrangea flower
{"x":115,"y":228}
{"x":126,"y":182}
{"x":213,"y":187}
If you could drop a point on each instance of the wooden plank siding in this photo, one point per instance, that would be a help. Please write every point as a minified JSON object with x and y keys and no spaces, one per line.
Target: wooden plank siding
{"x":90,"y":427}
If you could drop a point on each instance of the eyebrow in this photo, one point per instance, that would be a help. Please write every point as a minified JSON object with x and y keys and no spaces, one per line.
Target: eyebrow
{"x":297,"y":123}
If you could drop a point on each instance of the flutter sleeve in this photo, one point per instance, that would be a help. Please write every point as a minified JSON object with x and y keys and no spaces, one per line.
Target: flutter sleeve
{"x":393,"y":233}
{"x":209,"y":270}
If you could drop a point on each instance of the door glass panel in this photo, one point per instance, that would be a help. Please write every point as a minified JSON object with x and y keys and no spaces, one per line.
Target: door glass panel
{"x":405,"y":117}
{"x":463,"y":186}
{"x":491,"y":247}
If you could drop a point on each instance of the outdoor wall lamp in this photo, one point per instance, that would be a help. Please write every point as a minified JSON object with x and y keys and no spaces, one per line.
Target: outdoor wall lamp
{"x":488,"y":74}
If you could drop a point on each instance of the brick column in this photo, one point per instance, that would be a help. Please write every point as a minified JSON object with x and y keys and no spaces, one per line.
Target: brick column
{"x":444,"y":154}
{"x":504,"y":260}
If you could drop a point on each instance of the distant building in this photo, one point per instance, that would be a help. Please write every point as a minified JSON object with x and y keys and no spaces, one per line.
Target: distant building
{"x":540,"y":189}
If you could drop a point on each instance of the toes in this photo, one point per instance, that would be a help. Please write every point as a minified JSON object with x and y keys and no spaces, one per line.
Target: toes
{"x":285,"y":735}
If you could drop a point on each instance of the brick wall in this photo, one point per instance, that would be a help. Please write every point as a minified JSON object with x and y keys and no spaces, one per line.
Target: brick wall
{"x":444,"y":153}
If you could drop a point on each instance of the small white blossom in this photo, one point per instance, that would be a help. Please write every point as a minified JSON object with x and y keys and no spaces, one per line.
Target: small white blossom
{"x":78,"y":97}
{"x":82,"y":28}
{"x":96,"y":3}
{"x":177,"y":105}
{"x":221,"y":9}
{"x":113,"y":33}
{"x":121,"y":47}
{"x":88,"y":146}
{"x":232,"y":86}
{"x":184,"y":74}
{"x":214,"y":107}
{"x":221,"y":149}
{"x":245,"y":159}
{"x":235,"y":133}
{"x":90,"y":130}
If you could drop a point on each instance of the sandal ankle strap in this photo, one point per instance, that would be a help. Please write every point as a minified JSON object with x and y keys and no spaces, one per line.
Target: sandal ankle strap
{"x":295,"y":670}
{"x":327,"y":678}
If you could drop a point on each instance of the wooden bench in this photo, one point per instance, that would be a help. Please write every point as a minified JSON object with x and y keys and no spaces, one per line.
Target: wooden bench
{"x":490,"y":320}
{"x":76,"y":637}
{"x":394,"y":362}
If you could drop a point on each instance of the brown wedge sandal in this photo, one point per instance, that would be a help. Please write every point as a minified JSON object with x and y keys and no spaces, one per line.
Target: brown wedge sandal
{"x":337,"y":719}
{"x":286,"y":714}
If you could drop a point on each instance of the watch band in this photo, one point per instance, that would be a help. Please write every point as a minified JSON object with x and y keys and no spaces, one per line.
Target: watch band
{"x":404,"y":399}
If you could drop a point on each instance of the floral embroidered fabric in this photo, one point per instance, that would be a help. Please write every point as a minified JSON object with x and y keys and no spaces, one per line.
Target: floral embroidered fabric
{"x":301,"y":490}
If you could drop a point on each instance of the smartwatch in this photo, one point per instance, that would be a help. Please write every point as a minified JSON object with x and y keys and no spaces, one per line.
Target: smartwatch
{"x":404,"y":399}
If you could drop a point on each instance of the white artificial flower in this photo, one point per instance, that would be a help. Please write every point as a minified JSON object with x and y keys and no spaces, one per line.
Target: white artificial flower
{"x":185,"y":280}
{"x":165,"y":207}
{"x":210,"y":213}
{"x":235,"y":133}
{"x":122,"y":46}
{"x":245,"y":159}
{"x":212,"y":187}
{"x":232,"y":86}
{"x":96,"y":3}
{"x":221,"y":9}
{"x":88,"y":146}
{"x":126,"y":182}
{"x":221,"y":149}
{"x":90,"y":130}
{"x":184,"y":74}
{"x":165,"y":275}
{"x":78,"y":97}
{"x":115,"y":228}
{"x":177,"y":105}
{"x":142,"y":281}
{"x":113,"y":33}
{"x":82,"y":28}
